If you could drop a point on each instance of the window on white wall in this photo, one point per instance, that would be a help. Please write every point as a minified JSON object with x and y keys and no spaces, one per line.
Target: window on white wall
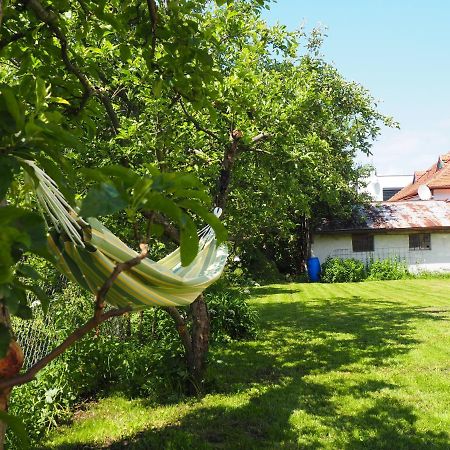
{"x":362,"y":242}
{"x":420,"y":241}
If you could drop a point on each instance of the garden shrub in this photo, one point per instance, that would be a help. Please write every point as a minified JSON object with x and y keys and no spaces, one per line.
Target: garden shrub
{"x":259,"y":266}
{"x":141,"y":357}
{"x":387,"y":269}
{"x":336,"y":270}
{"x":231,"y":316}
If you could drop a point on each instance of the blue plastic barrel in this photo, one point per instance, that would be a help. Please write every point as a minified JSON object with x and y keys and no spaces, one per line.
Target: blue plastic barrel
{"x":313,"y":265}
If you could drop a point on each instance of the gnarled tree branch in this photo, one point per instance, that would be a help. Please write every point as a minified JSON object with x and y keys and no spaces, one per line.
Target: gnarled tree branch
{"x":261,"y":137}
{"x":98,"y":318}
{"x":51,"y":20}
{"x":75,"y":336}
{"x":183,"y":332}
{"x":197,"y":124}
{"x":153,"y":11}
{"x":15,"y":37}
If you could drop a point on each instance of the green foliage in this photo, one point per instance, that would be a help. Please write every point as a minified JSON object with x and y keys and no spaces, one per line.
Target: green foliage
{"x":107,"y":87}
{"x":262,"y":268}
{"x":231,"y":316}
{"x":43,"y":403}
{"x":56,"y":104}
{"x":17,"y":427}
{"x":145,"y":358}
{"x":336,"y":270}
{"x":431,"y":275}
{"x":387,"y":269}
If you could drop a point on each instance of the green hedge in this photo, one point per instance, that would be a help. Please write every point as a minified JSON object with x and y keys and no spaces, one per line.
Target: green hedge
{"x":337,"y":270}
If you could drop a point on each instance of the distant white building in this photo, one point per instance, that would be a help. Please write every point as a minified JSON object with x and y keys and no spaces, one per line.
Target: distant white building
{"x":383,"y":187}
{"x":409,"y":220}
{"x":416,"y":232}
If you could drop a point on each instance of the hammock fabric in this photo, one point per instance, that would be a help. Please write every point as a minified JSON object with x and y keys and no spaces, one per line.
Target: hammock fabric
{"x":162,"y":283}
{"x":91,"y":260}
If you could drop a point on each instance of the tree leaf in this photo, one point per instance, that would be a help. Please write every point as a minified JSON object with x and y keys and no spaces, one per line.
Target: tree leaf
{"x":60,"y":100}
{"x":41,"y":295}
{"x":24,"y":312}
{"x":41,"y":93}
{"x":101,"y":200}
{"x":18,"y":428}
{"x":157,"y":88}
{"x":8,"y":168}
{"x":112,"y":174}
{"x":157,"y":202}
{"x":13,"y":106}
{"x":207,"y":216}
{"x":27,"y":271}
{"x":188,"y":240}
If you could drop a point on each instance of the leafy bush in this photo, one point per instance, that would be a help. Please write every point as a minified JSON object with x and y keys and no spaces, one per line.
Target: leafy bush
{"x":139,"y":355}
{"x":231,"y":316}
{"x":387,"y":269}
{"x":336,"y":270}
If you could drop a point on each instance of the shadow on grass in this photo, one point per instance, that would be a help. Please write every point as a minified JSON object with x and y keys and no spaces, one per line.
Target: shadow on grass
{"x":262,"y":291}
{"x":308,"y":356}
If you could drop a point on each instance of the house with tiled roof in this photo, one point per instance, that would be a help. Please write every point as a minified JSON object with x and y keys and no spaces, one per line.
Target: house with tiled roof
{"x":436,"y":178}
{"x":409,"y":227}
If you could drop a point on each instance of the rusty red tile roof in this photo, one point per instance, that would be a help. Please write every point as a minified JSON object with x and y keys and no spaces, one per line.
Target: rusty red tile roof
{"x":436,"y":177}
{"x":406,"y":215}
{"x":418,"y":174}
{"x":441,"y":179}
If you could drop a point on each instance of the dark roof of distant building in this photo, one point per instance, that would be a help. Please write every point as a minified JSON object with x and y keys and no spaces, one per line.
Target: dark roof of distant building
{"x":390,"y":216}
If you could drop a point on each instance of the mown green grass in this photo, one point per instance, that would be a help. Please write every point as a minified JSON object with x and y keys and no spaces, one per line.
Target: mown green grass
{"x":344,"y":366}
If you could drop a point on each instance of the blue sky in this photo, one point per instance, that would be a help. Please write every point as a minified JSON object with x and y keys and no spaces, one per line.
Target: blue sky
{"x":400,"y":51}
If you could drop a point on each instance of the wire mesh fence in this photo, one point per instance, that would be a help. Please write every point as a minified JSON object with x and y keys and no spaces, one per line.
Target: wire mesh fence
{"x":40,"y":335}
{"x":401,"y":254}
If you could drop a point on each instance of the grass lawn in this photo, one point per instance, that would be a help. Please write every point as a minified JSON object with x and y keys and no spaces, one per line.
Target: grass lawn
{"x":344,"y":366}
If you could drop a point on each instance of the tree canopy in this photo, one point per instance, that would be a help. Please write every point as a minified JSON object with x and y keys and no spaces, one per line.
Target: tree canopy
{"x":159,"y":110}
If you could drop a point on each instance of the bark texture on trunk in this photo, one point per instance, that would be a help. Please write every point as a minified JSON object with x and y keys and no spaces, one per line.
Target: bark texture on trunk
{"x":228,"y":161}
{"x":196,"y":340}
{"x":199,"y":344}
{"x":303,"y":242}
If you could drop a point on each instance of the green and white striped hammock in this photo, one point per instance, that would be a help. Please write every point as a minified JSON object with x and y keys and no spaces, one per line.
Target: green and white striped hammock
{"x":89,"y":261}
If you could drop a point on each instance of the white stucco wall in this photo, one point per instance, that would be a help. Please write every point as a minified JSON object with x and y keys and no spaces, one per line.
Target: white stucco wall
{"x":388,"y":245}
{"x":441,"y":194}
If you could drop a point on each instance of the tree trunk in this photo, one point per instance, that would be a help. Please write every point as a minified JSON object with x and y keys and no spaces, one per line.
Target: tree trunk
{"x":199,"y":344}
{"x":304,"y":242}
{"x":196,"y":342}
{"x":226,"y":171}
